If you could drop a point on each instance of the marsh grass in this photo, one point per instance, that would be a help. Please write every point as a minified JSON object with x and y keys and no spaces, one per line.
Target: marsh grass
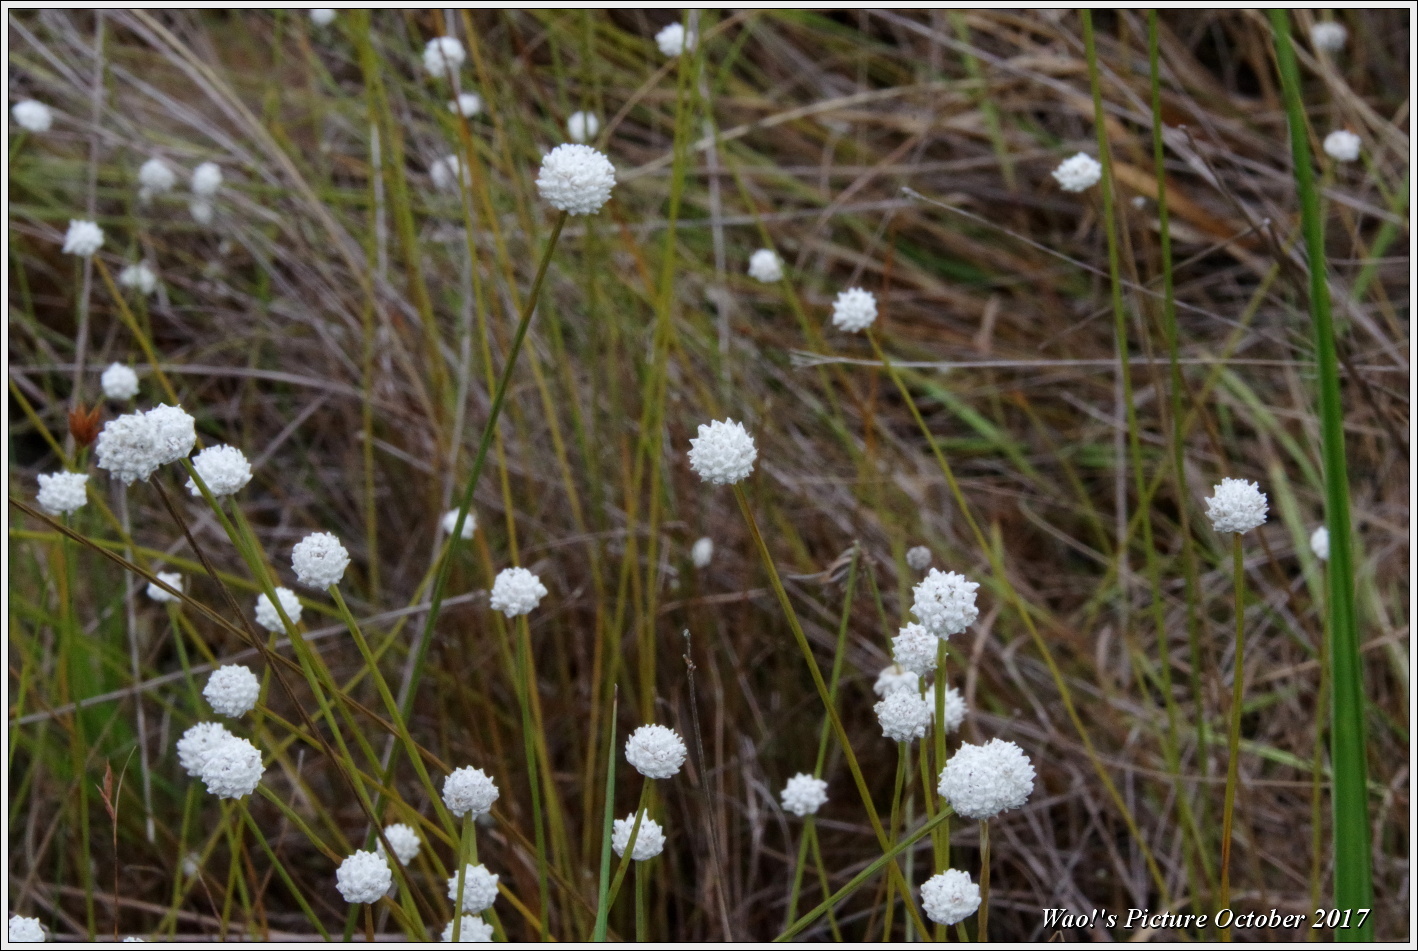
{"x":1053,"y":383}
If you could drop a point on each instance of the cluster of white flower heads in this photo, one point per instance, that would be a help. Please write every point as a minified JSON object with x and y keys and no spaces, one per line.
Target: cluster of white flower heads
{"x":450,"y":522}
{"x":232,"y":690}
{"x":446,"y":173}
{"x":980,"y":782}
{"x":319,"y":560}
{"x":895,"y":677}
{"x":197,"y":743}
{"x":918,"y":558}
{"x":1329,"y":36}
{"x":582,"y":126}
{"x":26,"y":930}
{"x":904,"y":715}
{"x":32,"y":116}
{"x":268,"y":617}
{"x":479,"y":888}
{"x":83,"y":238}
{"x":62,"y":493}
{"x":1079,"y":173}
{"x":915,"y":649}
{"x":1319,"y":543}
{"x":206,"y":180}
{"x":702,"y":552}
{"x":949,"y":897}
{"x":443,"y":55}
{"x":403,"y":840}
{"x":655,"y":751}
{"x":322,"y":16}
{"x":172,"y":579}
{"x":119,"y":382}
{"x":804,"y":795}
{"x":1342,"y":145}
{"x":1236,"y":506}
{"x":576,"y":179}
{"x":854,"y":310}
{"x":232,"y":769}
{"x":138,"y":277}
{"x":945,"y":602}
{"x":132,"y":446}
{"x":674,"y":40}
{"x":469,"y":790}
{"x":474,"y":929}
{"x":649,"y":838}
{"x":364,"y":878}
{"x":223,"y":468}
{"x":516,"y":591}
{"x":765,"y":265}
{"x":468,"y":104}
{"x":723,"y":453}
{"x":154,"y":178}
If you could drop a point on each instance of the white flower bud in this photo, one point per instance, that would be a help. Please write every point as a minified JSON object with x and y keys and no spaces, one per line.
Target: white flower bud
{"x":32,"y":116}
{"x":904,"y":715}
{"x":197,"y":743}
{"x":1319,"y":542}
{"x":854,"y":310}
{"x":119,"y":382}
{"x":674,"y":40}
{"x":649,"y":839}
{"x":1236,"y":506}
{"x":363,"y":878}
{"x":945,"y":602}
{"x":765,"y":265}
{"x":83,"y":238}
{"x":138,"y":277}
{"x":467,"y":104}
{"x":723,"y":453}
{"x":468,"y":790}
{"x":474,"y":929}
{"x":223,"y":468}
{"x":702,"y":553}
{"x":1342,"y":145}
{"x":949,"y":897}
{"x":450,"y":521}
{"x":232,"y":769}
{"x":576,"y":179}
{"x":404,"y":841}
{"x":443,"y":55}
{"x":479,"y":888}
{"x":980,"y":782}
{"x":516,"y":591}
{"x":173,"y":580}
{"x":1079,"y":173}
{"x":62,"y":493}
{"x":655,"y":751}
{"x":268,"y":617}
{"x":582,"y":126}
{"x":319,"y":560}
{"x":804,"y":795}
{"x":206,"y":179}
{"x":232,"y":690}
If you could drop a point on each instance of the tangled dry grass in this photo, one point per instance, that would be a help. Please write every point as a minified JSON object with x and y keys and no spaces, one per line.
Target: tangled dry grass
{"x":343,"y":321}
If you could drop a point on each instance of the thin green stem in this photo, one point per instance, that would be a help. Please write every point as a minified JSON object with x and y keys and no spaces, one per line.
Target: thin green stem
{"x":607,"y":826}
{"x":1233,"y":745}
{"x":527,"y":676}
{"x":983,"y":922}
{"x":642,"y":923}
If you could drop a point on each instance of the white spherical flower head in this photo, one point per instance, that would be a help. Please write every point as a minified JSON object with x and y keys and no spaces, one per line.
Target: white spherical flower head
{"x":980,"y":782}
{"x":479,"y":888}
{"x":945,"y":602}
{"x":62,"y":493}
{"x":1236,"y":506}
{"x":655,"y":751}
{"x":450,"y":521}
{"x":915,"y":649}
{"x":516,"y":591}
{"x":446,"y":172}
{"x":443,"y":55}
{"x":674,"y":40}
{"x":126,"y":448}
{"x":155,"y":177}
{"x":904,"y":716}
{"x":199,"y":741}
{"x":206,"y":179}
{"x":854,"y":310}
{"x":202,"y":211}
{"x":119,"y":382}
{"x":582,"y":126}
{"x":949,"y":897}
{"x":469,"y":790}
{"x":232,"y":769}
{"x":702,"y":553}
{"x":138,"y":277}
{"x":173,"y":580}
{"x":918,"y":558}
{"x":319,"y":560}
{"x":83,"y":238}
{"x":473,"y":929}
{"x":321,"y":16}
{"x":404,"y":841}
{"x":232,"y":690}
{"x":1329,"y":36}
{"x":32,"y":116}
{"x":804,"y":795}
{"x":576,"y":179}
{"x":1342,"y":145}
{"x":174,"y":433}
{"x":468,"y":104}
{"x":896,"y":677}
{"x":26,"y":930}
{"x":1079,"y":173}
{"x":765,"y":265}
{"x":268,"y":617}
{"x":363,"y":878}
{"x":955,"y":709}
{"x":1319,"y":542}
{"x":223,"y":468}
{"x":723,"y":453}
{"x":649,"y":839}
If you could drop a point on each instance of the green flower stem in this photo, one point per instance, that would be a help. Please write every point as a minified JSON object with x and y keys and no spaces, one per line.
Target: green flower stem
{"x":527,"y":675}
{"x":1233,"y":745}
{"x":625,"y":857}
{"x":280,"y":868}
{"x":607,"y":825}
{"x":983,"y":922}
{"x":893,"y":869}
{"x":642,"y":924}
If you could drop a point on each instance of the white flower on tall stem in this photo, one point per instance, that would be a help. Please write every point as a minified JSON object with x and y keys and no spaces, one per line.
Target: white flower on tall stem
{"x":949,"y":897}
{"x":170,"y":578}
{"x":1236,"y":506}
{"x":138,"y":277}
{"x":468,"y":790}
{"x":474,"y":929}
{"x":319,"y":560}
{"x":404,"y":841}
{"x":765,"y":265}
{"x":904,"y":715}
{"x":479,"y":888}
{"x":232,"y":690}
{"x":649,"y":838}
{"x":83,"y":238}
{"x":364,"y":878}
{"x":576,"y":179}
{"x":516,"y":591}
{"x":674,"y":40}
{"x":119,"y":382}
{"x":723,"y":453}
{"x":854,"y":310}
{"x":450,"y":521}
{"x":656,"y":751}
{"x":582,"y":126}
{"x":1342,"y":145}
{"x":224,"y":469}
{"x":468,"y":104}
{"x":232,"y":769}
{"x":944,"y":602}
{"x":62,"y":493}
{"x":980,"y":782}
{"x":32,"y":115}
{"x":443,"y":55}
{"x":804,"y":795}
{"x":1079,"y":173}
{"x":268,"y":617}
